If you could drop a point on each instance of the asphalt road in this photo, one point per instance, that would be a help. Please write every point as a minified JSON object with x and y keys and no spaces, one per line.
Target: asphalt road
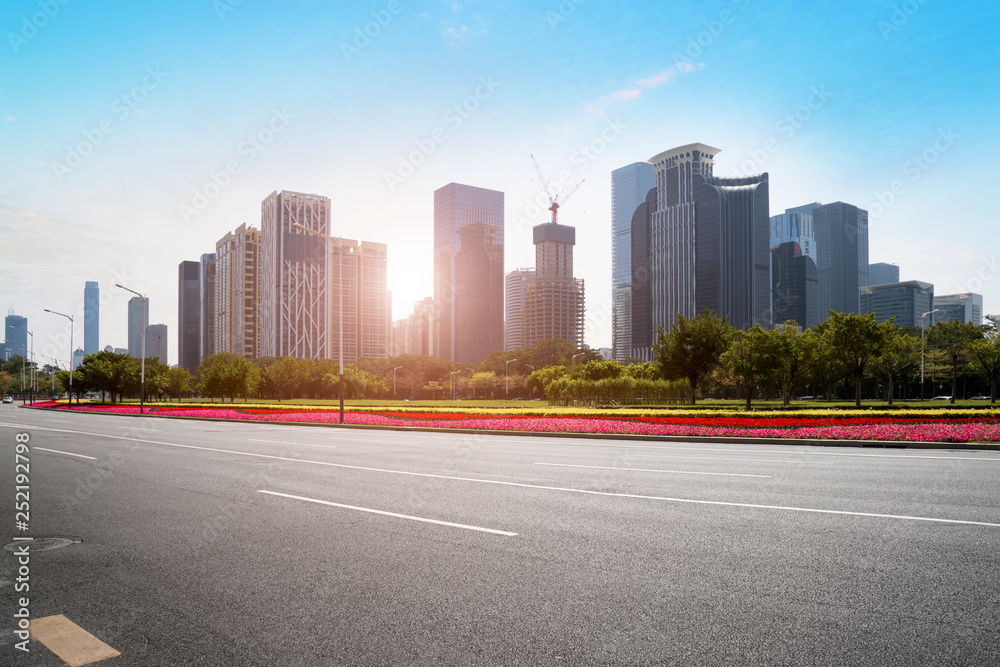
{"x":528,"y":550}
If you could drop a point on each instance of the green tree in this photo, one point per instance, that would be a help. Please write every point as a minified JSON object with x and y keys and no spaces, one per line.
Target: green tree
{"x":6,"y":381}
{"x":287,"y":374}
{"x":795,"y":358}
{"x":540,"y":379}
{"x":110,"y":373}
{"x":898,"y":356}
{"x":640,"y":371}
{"x":753,"y":357}
{"x":692,"y":348}
{"x":483,"y":382}
{"x":227,"y":374}
{"x":986,"y":358}
{"x":854,"y":342}
{"x":599,"y":370}
{"x":179,"y":382}
{"x":953,"y":338}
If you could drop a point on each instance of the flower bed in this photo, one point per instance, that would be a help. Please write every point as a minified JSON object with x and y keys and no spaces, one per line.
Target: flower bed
{"x":953,"y":426}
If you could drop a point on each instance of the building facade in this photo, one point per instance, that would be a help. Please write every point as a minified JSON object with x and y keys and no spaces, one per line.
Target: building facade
{"x":91,"y":317}
{"x":515,"y":282}
{"x":553,"y":299}
{"x":794,"y":286}
{"x":188,"y":315}
{"x":794,"y":226}
{"x":156,"y":343}
{"x":15,"y":336}
{"x":138,"y":321}
{"x":630,"y":186}
{"x":468,"y":272}
{"x":359,"y":268}
{"x":906,"y":302}
{"x":641,"y":332}
{"x":209,"y":306}
{"x":294,"y":270}
{"x":842,"y":256}
{"x":882,"y":273}
{"x":967,"y":307}
{"x":237,"y":288}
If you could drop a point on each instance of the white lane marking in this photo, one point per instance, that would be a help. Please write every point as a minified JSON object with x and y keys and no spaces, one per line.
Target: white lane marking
{"x":92,"y":458}
{"x":678,"y":472}
{"x":297,"y":444}
{"x":720,"y":458}
{"x":393,"y":514}
{"x":523,"y":485}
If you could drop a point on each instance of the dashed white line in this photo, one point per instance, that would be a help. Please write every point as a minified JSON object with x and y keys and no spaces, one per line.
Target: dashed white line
{"x":92,"y":458}
{"x":392,"y":514}
{"x":677,"y":472}
{"x":296,"y":444}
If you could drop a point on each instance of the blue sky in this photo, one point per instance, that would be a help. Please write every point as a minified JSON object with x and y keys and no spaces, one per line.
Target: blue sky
{"x":834,"y":101}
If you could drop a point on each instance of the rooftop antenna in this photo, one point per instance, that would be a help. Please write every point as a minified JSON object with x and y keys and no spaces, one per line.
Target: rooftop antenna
{"x":554,"y":197}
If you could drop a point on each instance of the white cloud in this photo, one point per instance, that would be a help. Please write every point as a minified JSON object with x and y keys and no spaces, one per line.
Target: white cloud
{"x":624,"y":96}
{"x":9,"y":119}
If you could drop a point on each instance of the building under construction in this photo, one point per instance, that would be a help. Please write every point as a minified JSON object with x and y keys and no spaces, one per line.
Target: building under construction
{"x":553,"y":298}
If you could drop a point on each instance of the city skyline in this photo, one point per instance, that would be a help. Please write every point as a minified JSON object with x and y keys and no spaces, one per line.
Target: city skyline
{"x":889,"y":119}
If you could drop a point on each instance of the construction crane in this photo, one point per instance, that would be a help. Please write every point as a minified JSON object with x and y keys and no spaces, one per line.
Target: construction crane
{"x":554,"y":197}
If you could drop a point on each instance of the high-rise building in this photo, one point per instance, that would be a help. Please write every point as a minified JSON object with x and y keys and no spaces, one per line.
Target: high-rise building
{"x":795,"y":226}
{"x":905,"y":302}
{"x":156,"y":342}
{"x":400,"y":337}
{"x":794,"y":286}
{"x":422,"y":328}
{"x":468,"y":272}
{"x":629,"y":187}
{"x":294,"y":287}
{"x":91,"y":317}
{"x":15,"y":335}
{"x":967,"y":307}
{"x":188,"y":315}
{"x":554,"y":299}
{"x":207,"y":297}
{"x":237,"y":288}
{"x":515,"y":283}
{"x":842,"y":256}
{"x":882,"y":273}
{"x":138,"y":320}
{"x":363,"y":276}
{"x":641,"y":331}
{"x":708,"y":246}
{"x":78,"y":356}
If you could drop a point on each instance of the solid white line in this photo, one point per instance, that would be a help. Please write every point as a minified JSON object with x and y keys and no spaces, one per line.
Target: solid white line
{"x":720,"y":458}
{"x":678,"y":472}
{"x":297,"y":444}
{"x":92,"y":458}
{"x":523,"y":485}
{"x":393,"y":514}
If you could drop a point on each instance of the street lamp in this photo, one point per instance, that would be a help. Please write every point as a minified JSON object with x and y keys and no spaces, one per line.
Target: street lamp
{"x":56,"y":362}
{"x":142,"y":349}
{"x":506,"y":377}
{"x":452,"y":382}
{"x":31,"y":379}
{"x":394,"y":381}
{"x":340,"y":306}
{"x":70,"y":318}
{"x":922,"y":345}
{"x":573,"y":361}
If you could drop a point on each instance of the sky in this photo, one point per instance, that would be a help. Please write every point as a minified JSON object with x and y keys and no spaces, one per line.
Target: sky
{"x":134,"y":135}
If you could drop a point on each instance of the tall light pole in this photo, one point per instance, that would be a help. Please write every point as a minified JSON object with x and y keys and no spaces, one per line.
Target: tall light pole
{"x":340,"y":305}
{"x":506,"y":376}
{"x":394,"y":381}
{"x":142,"y":348}
{"x":452,"y":382}
{"x":922,"y":346}
{"x":573,"y":361}
{"x":71,"y":369}
{"x":56,"y":362}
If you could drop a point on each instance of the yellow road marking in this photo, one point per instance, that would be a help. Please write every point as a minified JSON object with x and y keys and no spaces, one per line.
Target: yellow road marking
{"x":69,"y":641}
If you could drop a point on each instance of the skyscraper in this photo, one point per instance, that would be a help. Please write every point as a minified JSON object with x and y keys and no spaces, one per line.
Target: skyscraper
{"x":15,"y":336}
{"x":365,"y":296}
{"x":294,"y":287}
{"x":188,"y":315}
{"x":905,"y":302}
{"x":468,"y":272}
{"x":882,"y":273}
{"x":553,"y":298}
{"x":629,"y":187}
{"x":795,"y":226}
{"x":641,"y":331}
{"x":842,"y":256}
{"x":794,"y":286}
{"x":209,"y":310}
{"x":91,"y":317}
{"x":708,"y":241}
{"x":967,"y":307}
{"x":237,"y":287}
{"x":420,"y":332}
{"x":156,"y":342}
{"x":138,"y":321}
{"x":515,"y":283}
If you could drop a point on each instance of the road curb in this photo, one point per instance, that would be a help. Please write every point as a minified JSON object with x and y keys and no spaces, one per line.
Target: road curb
{"x":872,"y":444}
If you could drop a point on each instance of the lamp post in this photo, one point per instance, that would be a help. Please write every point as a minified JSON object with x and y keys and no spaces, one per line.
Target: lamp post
{"x":53,"y":376}
{"x":573,"y":361}
{"x":452,"y":382}
{"x":394,"y":381}
{"x":71,"y":369}
{"x":142,"y":348}
{"x":922,"y":346}
{"x":506,"y":376}
{"x":340,"y":306}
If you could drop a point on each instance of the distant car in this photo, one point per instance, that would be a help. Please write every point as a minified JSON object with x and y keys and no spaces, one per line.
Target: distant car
{"x":941,"y":398}
{"x":8,"y":399}
{"x":980,"y":398}
{"x":807,"y":398}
